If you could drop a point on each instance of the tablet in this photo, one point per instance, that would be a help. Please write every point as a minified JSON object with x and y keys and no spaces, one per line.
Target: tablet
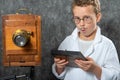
{"x":70,"y":56}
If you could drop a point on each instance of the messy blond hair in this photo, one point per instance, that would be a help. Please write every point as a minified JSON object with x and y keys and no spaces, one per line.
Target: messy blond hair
{"x":82,"y":3}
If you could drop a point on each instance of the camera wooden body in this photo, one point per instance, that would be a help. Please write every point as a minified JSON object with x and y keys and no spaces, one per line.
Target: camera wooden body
{"x":28,"y":55}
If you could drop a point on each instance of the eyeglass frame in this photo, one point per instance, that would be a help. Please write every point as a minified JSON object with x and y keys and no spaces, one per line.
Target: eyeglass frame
{"x":85,"y":19}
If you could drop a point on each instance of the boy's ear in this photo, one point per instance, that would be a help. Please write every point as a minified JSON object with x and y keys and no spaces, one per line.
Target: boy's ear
{"x":99,"y":15}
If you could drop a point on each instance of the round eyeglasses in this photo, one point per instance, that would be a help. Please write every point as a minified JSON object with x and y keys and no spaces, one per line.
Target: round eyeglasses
{"x":86,"y":19}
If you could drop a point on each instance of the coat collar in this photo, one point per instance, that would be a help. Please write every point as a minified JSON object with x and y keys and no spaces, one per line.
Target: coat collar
{"x":97,"y":36}
{"x":97,"y":39}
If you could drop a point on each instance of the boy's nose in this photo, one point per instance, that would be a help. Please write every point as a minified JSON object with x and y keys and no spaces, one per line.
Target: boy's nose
{"x":82,"y":23}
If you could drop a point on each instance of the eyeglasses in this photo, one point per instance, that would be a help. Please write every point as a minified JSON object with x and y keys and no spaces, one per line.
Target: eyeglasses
{"x":86,"y":19}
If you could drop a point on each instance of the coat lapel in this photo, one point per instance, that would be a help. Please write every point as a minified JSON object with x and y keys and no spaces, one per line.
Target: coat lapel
{"x":91,"y":48}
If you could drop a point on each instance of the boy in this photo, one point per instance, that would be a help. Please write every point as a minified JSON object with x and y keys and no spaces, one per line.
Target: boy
{"x":102,"y":59}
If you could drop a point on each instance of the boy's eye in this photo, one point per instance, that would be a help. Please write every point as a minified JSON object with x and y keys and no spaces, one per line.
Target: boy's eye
{"x":86,"y":19}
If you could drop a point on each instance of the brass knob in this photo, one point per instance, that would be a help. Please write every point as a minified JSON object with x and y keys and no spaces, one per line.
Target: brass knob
{"x":21,"y":37}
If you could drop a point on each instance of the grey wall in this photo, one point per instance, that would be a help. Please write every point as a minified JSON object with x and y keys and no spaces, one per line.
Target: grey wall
{"x":56,"y":25}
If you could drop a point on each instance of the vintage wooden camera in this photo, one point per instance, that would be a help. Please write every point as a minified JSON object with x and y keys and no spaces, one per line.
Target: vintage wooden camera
{"x":21,"y":40}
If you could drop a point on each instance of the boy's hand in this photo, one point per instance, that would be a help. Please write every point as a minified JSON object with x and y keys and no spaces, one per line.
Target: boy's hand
{"x":60,"y":64}
{"x":89,"y":66}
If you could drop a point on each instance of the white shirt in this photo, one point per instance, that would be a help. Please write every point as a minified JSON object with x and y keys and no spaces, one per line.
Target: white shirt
{"x":84,"y":45}
{"x":102,"y":51}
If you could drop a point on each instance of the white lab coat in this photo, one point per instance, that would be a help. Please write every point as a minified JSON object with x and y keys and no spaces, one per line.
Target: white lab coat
{"x":103,"y":53}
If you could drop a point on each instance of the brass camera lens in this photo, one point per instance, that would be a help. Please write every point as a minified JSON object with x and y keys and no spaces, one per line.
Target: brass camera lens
{"x":21,"y":37}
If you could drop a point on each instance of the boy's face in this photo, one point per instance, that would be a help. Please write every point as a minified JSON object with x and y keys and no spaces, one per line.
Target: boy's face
{"x":86,"y":19}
